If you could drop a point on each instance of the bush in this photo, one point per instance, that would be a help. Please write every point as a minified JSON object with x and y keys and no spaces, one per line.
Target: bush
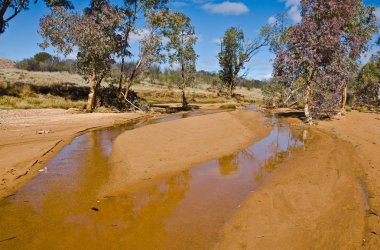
{"x":42,"y":57}
{"x":45,"y":62}
{"x":363,"y":109}
{"x":366,"y":87}
{"x":108,"y":98}
{"x":228,"y":106}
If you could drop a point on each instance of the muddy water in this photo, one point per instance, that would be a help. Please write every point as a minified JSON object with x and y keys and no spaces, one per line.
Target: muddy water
{"x":59,"y":209}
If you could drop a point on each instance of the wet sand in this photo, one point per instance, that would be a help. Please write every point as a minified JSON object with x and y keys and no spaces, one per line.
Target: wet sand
{"x":31,"y":137}
{"x":142,"y":156}
{"x":313,"y":201}
{"x":184,"y":211}
{"x":323,"y":197}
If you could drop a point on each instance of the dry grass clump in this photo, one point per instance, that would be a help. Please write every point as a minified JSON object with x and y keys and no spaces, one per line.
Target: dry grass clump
{"x":253,"y":95}
{"x":160,"y":96}
{"x":106,"y":110}
{"x":38,"y":101}
{"x":39,"y":78}
{"x":228,"y":106}
{"x":7,"y":64}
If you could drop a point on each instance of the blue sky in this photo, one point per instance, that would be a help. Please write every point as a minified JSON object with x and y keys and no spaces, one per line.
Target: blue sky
{"x":210,"y":18}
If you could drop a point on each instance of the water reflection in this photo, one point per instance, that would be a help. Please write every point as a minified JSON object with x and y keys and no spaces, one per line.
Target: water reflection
{"x":266,"y":153}
{"x":228,"y":165}
{"x":59,"y":208}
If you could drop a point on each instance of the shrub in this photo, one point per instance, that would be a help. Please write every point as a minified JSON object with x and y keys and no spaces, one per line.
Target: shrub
{"x":45,"y":62}
{"x":228,"y":106}
{"x":363,"y":109}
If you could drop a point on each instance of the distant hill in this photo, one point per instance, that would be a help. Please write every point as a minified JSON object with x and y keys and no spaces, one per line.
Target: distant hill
{"x":7,"y":64}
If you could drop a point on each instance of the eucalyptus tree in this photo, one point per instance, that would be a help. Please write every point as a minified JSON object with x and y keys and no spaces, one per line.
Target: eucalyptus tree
{"x":236,"y":51}
{"x":366,"y":87}
{"x":151,"y":45}
{"x":180,"y":48}
{"x":9,"y":9}
{"x":322,"y":52}
{"x":133,"y":9}
{"x":93,"y":33}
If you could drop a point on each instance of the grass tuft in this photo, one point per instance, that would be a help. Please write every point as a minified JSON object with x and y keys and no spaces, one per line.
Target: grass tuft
{"x":228,"y":106}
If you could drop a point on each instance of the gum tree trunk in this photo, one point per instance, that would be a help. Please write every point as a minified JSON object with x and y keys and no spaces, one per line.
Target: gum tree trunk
{"x":95,"y":82}
{"x":230,"y":90}
{"x":133,"y":76}
{"x":121,"y":79}
{"x":344,"y":101}
{"x":92,"y":95}
{"x":308,"y":118}
{"x":185,"y":104}
{"x":129,"y":85}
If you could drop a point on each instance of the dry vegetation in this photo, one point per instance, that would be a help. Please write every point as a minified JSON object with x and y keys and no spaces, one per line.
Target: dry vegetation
{"x":13,"y":75}
{"x":7,"y":64}
{"x":23,"y":89}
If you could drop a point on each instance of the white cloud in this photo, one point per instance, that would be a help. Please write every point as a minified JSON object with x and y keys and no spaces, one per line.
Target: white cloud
{"x":226,"y":8}
{"x":72,"y":55}
{"x":136,"y":37}
{"x":295,"y":14}
{"x":293,"y":9}
{"x":289,"y":3}
{"x":179,"y":4}
{"x":271,"y":20}
{"x":217,"y":40}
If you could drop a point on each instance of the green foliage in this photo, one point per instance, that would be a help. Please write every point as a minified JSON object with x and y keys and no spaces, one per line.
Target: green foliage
{"x":235,"y":52}
{"x":42,"y":57}
{"x":366,"y":88}
{"x":180,"y":48}
{"x":9,"y":9}
{"x":321,"y":53}
{"x":232,"y":57}
{"x":363,"y":109}
{"x":228,"y":106}
{"x":54,"y":64}
{"x":94,"y":34}
{"x":251,"y":84}
{"x":273,"y":94}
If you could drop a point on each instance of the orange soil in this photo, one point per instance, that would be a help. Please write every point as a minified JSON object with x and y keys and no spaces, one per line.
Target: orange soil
{"x":362,"y":130}
{"x":315,"y":199}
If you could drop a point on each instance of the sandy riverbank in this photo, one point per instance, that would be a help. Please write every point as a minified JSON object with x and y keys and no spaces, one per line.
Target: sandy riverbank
{"x":313,"y":201}
{"x":144,"y":155}
{"x":30,"y":137}
{"x":362,"y":130}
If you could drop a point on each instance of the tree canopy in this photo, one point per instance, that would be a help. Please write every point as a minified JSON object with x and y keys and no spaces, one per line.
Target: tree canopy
{"x":322,"y":51}
{"x":180,"y":48}
{"x":9,"y":9}
{"x":93,"y":33}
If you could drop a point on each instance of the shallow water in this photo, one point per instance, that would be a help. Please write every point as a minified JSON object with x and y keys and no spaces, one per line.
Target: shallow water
{"x":59,"y":208}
